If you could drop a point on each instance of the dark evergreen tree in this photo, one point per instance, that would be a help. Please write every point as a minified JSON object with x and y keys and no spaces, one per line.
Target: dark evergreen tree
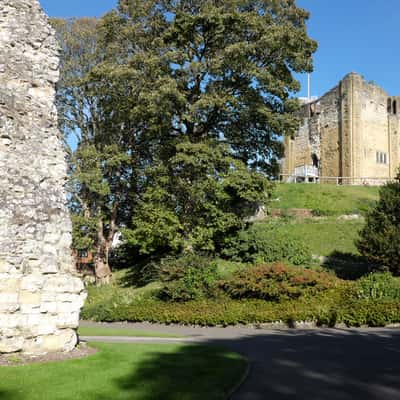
{"x":380,"y":238}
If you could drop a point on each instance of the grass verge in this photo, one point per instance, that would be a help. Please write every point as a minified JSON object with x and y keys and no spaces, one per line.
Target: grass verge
{"x":129,"y":372}
{"x":111,"y":331}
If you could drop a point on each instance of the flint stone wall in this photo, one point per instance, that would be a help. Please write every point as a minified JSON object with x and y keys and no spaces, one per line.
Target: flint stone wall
{"x":40,"y":293}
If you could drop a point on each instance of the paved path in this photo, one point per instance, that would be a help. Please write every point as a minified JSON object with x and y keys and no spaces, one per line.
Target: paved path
{"x":318,"y":364}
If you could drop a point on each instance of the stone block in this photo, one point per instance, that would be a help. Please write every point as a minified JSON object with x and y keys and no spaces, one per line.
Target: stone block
{"x":64,"y":340}
{"x":32,"y":298}
{"x":11,"y":344}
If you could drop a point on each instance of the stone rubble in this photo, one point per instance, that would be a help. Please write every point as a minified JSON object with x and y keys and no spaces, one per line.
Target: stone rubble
{"x":40,"y":292}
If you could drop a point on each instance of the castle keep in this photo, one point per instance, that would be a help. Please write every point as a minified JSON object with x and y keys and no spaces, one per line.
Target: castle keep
{"x":350,"y":135}
{"x":40,"y":294}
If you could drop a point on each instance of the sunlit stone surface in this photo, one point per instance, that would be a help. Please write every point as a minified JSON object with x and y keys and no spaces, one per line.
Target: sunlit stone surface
{"x":40,"y":293}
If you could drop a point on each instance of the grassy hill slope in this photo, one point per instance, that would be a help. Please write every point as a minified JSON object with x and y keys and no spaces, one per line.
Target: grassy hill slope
{"x":323,"y":237}
{"x":325,"y":199}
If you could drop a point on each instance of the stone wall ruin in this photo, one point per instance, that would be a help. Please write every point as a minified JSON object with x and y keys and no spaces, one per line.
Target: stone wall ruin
{"x":40,"y":292}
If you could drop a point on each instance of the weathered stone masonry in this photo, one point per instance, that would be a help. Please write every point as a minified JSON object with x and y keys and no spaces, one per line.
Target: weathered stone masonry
{"x":40,"y":293}
{"x":352,"y":131}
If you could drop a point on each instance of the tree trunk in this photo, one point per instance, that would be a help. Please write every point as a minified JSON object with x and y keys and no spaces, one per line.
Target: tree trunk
{"x":102,"y":268}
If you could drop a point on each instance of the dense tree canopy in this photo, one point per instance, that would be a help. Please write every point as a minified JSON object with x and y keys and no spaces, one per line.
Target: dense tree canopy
{"x":180,"y":107}
{"x":218,"y":69}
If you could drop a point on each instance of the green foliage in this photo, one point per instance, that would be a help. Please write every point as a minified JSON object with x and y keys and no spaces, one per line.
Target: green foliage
{"x":207,"y":88}
{"x":84,"y":232}
{"x":277,"y":282}
{"x":327,"y":308}
{"x":338,"y":303}
{"x":103,"y":173}
{"x":257,"y":245}
{"x":380,"y":238}
{"x":370,"y":313}
{"x":222,"y":70}
{"x":194,"y":202}
{"x":378,"y":286}
{"x":189,"y":277}
{"x":178,"y":108}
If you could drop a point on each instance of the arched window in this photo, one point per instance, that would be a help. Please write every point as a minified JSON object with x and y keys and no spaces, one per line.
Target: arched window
{"x":394,"y":107}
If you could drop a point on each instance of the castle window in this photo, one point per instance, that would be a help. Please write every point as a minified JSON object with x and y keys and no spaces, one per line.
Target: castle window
{"x":381,"y":158}
{"x":315,"y":161}
{"x":394,"y":108}
{"x":389,"y":106}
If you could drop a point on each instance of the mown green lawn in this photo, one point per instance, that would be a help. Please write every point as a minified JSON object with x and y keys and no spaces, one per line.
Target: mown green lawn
{"x":128,"y":372}
{"x":110,"y":331}
{"x":324,"y":236}
{"x":325,"y":199}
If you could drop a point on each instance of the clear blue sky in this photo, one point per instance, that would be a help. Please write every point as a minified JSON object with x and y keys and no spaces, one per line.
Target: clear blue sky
{"x":77,"y":8}
{"x":353,"y":35}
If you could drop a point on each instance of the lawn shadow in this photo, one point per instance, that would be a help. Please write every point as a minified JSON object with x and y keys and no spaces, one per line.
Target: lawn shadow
{"x":7,"y":395}
{"x":285,"y":365}
{"x":192,"y":372}
{"x":348,"y":266}
{"x":141,"y":274}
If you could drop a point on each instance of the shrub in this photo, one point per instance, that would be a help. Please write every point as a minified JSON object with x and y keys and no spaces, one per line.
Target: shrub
{"x":258,"y":246}
{"x":380,"y":238}
{"x":277,"y":282}
{"x":188,"y":277}
{"x":378,"y":286}
{"x":370,"y":313}
{"x":324,"y":309}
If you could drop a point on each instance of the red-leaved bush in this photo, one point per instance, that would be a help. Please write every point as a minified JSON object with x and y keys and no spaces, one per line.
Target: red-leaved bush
{"x":276,"y":282}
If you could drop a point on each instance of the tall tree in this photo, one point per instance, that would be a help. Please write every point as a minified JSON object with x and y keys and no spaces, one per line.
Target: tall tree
{"x":101,"y":166}
{"x":218,"y":95}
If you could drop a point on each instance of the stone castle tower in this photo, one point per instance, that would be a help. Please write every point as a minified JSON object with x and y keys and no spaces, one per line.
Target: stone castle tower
{"x":40,"y":294}
{"x":350,"y":135}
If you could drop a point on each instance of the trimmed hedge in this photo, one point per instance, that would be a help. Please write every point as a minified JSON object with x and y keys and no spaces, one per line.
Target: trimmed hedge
{"x":329,"y":309}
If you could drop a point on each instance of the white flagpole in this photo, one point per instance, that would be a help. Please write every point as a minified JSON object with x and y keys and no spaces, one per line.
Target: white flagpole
{"x":309,"y":86}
